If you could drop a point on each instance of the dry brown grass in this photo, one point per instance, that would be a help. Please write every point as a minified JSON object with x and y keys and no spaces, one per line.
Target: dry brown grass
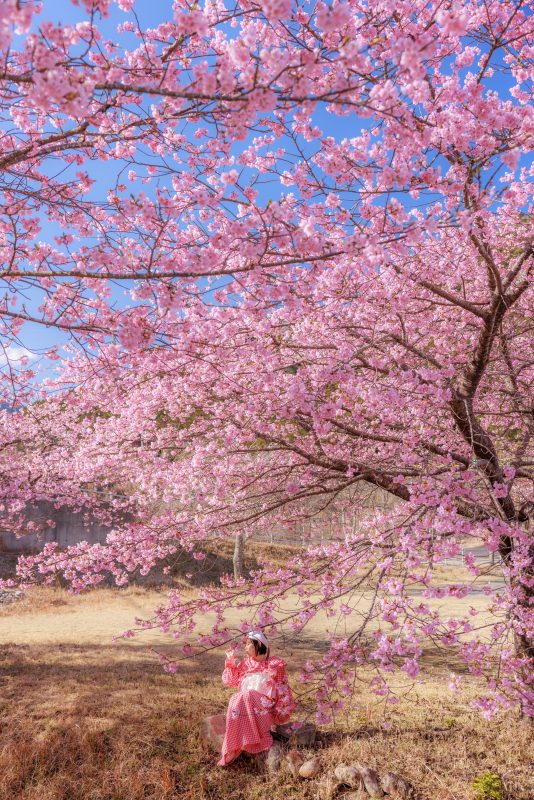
{"x":82,"y":718}
{"x":440,"y":745}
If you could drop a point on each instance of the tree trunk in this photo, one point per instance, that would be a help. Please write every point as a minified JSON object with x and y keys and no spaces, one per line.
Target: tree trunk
{"x":239,"y":569}
{"x":524,"y":644}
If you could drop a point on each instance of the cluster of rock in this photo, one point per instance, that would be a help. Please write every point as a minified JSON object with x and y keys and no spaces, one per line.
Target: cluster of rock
{"x":8,"y":596}
{"x":346,"y":782}
{"x":363,"y":782}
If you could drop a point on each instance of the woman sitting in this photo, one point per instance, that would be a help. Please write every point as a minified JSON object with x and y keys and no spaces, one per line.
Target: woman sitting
{"x":264,"y":699}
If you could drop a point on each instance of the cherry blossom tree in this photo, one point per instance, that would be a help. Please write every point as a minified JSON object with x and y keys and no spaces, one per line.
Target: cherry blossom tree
{"x":329,"y":288}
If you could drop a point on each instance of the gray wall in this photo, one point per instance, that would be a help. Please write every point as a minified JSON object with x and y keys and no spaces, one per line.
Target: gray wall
{"x":70,"y":528}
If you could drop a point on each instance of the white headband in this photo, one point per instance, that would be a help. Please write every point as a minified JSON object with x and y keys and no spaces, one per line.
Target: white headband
{"x":259,"y":637}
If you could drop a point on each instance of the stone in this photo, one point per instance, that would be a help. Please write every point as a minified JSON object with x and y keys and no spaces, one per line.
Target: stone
{"x":396,"y":787}
{"x":361,"y":794}
{"x":327,"y":788}
{"x":274,"y":758}
{"x":371,"y":781}
{"x":212,"y":730}
{"x":8,"y":596}
{"x":348,"y":776}
{"x":294,"y":761}
{"x":259,"y":760}
{"x":310,"y":768}
{"x":297,"y":733}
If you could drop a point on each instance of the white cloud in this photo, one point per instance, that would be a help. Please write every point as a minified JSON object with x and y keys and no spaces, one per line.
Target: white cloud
{"x":14,"y":354}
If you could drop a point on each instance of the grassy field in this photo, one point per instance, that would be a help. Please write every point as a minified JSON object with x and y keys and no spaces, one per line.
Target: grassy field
{"x":83,"y":717}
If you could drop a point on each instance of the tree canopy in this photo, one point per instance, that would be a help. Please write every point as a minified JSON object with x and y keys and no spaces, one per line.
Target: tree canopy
{"x":311,"y":272}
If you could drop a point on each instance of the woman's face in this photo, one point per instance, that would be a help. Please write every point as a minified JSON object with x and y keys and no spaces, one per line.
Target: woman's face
{"x":249,"y":648}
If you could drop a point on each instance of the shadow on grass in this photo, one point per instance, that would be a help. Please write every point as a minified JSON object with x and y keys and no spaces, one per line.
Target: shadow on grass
{"x":93,"y":664}
{"x":81,"y":722}
{"x":76,"y":722}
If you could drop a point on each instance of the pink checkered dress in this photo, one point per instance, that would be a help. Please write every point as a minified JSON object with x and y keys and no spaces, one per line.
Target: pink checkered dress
{"x":264,"y":699}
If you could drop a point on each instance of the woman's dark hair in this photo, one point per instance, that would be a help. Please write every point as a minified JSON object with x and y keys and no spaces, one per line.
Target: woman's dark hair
{"x":259,"y":647}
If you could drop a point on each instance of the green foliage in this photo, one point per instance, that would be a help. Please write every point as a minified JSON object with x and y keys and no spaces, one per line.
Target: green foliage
{"x":164,"y":420}
{"x":488,"y":786}
{"x":94,"y":414}
{"x":292,"y":369}
{"x":512,"y":434}
{"x":330,"y":389}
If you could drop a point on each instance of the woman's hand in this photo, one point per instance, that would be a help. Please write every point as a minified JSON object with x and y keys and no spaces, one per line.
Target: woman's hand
{"x":230,"y":654}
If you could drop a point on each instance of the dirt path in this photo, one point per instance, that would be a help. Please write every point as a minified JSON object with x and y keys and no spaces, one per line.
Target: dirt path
{"x":52,"y":617}
{"x":78,"y":620}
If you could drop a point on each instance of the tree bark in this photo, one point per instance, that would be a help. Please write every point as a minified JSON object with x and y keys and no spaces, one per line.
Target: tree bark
{"x":239,"y":568}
